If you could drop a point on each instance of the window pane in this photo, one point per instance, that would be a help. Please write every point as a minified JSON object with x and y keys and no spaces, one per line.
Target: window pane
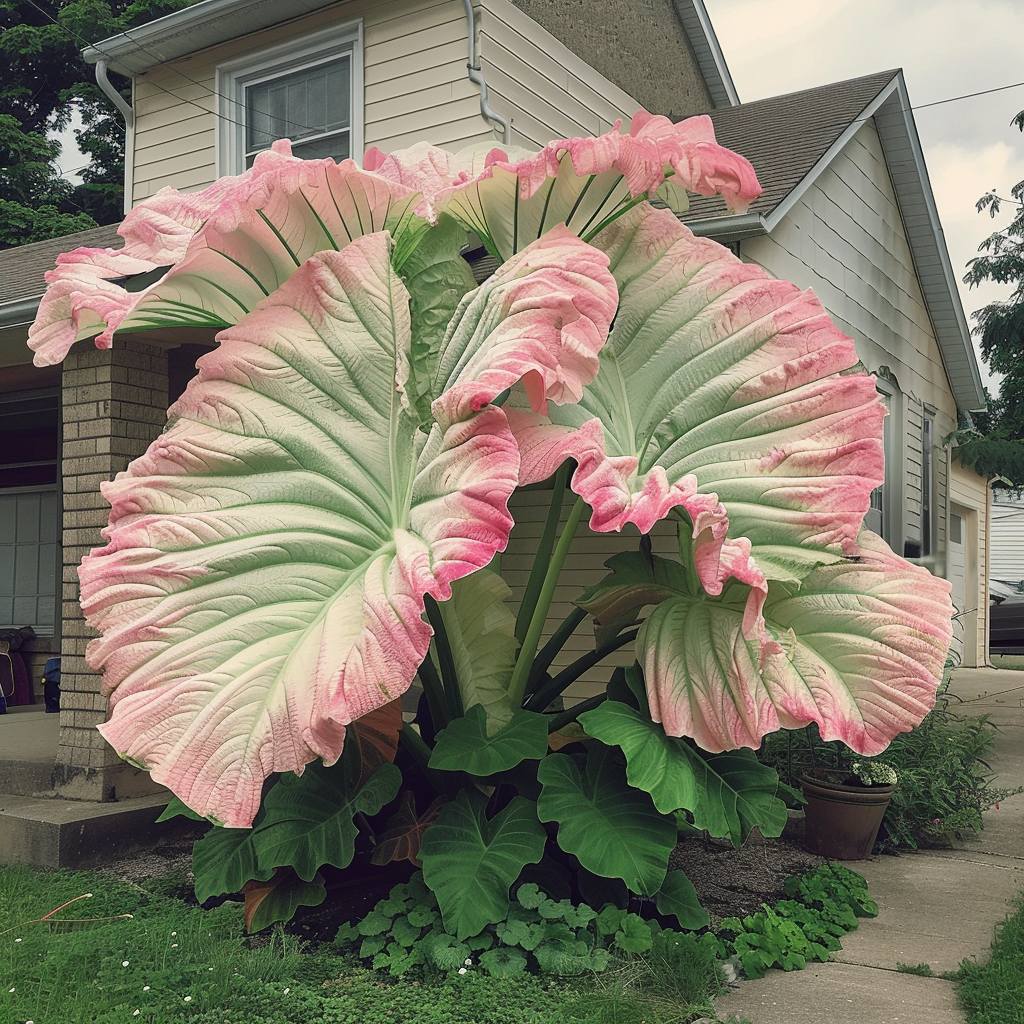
{"x":334,"y":146}
{"x":299,"y":104}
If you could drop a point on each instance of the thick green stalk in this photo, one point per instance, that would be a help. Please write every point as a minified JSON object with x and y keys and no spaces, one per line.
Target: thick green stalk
{"x":528,"y":651}
{"x":540,"y":561}
{"x":549,"y":651}
{"x":547,"y":693}
{"x":555,"y":722}
{"x":411,"y":741}
{"x":446,"y":662}
{"x":434,"y":691}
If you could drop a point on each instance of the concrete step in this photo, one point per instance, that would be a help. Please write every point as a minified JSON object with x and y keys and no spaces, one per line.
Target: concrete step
{"x":26,"y":778}
{"x":59,"y":833}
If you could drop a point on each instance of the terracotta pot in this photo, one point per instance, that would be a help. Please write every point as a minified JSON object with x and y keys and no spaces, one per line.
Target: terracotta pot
{"x":842,"y":821}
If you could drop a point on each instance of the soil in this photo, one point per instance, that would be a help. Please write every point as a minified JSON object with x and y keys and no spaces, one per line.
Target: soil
{"x":733,"y":883}
{"x":729,"y":882}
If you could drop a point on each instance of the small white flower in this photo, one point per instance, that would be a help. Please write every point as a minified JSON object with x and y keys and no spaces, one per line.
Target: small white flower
{"x":135,"y":1013}
{"x":17,"y":940}
{"x":11,"y":989}
{"x":468,"y":962}
{"x":287,"y":990}
{"x":145,"y":988}
{"x":124,"y":963}
{"x":174,"y":934}
{"x":174,"y":945}
{"x":188,"y":999}
{"x":462,"y":970}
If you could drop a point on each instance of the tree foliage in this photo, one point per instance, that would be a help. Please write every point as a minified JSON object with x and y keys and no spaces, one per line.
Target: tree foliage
{"x":44,"y":85}
{"x":995,"y":447}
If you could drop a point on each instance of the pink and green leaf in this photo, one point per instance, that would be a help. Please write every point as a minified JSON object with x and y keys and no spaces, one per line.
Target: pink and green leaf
{"x":263,"y":581}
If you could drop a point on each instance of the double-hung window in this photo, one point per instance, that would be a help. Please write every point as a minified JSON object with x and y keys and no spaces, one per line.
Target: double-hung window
{"x":308,"y":91}
{"x":928,"y":506}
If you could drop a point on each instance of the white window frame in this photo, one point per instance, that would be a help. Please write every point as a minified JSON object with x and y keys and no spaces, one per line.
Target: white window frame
{"x":233,"y":77}
{"x":892,"y":491}
{"x":929,"y":486}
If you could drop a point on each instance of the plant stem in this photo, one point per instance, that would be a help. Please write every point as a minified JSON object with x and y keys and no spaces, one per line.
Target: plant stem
{"x":549,"y":651}
{"x":412,"y":742}
{"x":434,"y":691}
{"x":449,"y":677}
{"x":555,"y":722}
{"x":540,"y":561}
{"x":524,"y":660}
{"x":546,"y":694}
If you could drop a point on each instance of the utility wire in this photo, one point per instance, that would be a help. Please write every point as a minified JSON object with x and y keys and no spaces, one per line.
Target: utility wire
{"x":82,"y":41}
{"x":840,"y":123}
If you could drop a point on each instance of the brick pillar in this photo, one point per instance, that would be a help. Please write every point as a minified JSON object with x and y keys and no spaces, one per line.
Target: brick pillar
{"x":114,"y":403}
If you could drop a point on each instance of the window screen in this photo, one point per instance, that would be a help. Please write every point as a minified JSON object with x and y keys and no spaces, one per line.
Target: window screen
{"x":312,"y":106}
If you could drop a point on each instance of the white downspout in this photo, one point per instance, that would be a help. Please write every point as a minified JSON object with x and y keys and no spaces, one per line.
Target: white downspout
{"x":476,"y":76}
{"x":108,"y":90}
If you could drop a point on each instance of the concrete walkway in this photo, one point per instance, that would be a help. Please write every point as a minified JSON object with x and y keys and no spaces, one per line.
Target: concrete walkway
{"x":936,"y":908}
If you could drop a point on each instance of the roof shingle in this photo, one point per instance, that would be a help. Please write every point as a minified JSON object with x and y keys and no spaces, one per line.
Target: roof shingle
{"x":22,"y":268}
{"x":785,"y":136}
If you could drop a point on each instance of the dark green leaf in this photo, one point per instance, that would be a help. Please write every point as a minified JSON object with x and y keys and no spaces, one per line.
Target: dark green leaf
{"x":178,"y":809}
{"x":727,"y":794}
{"x":612,"y":829}
{"x":267,"y":903}
{"x":503,"y":962}
{"x":223,"y":861}
{"x":470,"y":861}
{"x":308,"y":819}
{"x":465,"y":746}
{"x":678,"y":898}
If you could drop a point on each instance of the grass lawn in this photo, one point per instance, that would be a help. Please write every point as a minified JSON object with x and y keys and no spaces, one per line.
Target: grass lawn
{"x":993,"y":992}
{"x":170,"y":963}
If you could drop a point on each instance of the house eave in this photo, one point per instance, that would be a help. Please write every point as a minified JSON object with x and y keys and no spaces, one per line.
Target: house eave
{"x":194,"y":28}
{"x":19,"y":312}
{"x":710,"y":59}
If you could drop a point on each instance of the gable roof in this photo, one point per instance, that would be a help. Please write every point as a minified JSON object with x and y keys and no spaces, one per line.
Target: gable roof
{"x":22,"y":268}
{"x":791,"y":139}
{"x":209,"y":22}
{"x":710,"y":59}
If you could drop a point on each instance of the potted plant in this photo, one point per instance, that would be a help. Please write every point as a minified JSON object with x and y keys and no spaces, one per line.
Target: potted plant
{"x":844,"y":809}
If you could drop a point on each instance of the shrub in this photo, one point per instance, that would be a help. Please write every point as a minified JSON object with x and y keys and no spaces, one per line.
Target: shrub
{"x":945,"y":780}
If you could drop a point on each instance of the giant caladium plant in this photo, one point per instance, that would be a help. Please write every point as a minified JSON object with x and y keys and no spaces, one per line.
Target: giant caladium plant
{"x":316,"y":529}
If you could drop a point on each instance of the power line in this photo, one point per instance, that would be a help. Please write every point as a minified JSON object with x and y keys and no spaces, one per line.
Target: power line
{"x":840,"y":123}
{"x":82,"y":41}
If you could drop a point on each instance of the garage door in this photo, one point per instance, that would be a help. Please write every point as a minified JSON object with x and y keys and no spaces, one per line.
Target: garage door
{"x":957,"y":572}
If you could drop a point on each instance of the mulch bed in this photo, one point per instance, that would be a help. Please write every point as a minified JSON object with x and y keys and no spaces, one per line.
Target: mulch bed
{"x":733,"y":883}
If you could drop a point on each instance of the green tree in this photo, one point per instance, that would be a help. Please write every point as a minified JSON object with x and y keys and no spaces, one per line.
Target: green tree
{"x":996,"y":445}
{"x":45,"y":82}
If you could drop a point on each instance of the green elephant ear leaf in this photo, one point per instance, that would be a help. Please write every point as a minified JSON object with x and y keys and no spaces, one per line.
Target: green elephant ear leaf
{"x":178,"y":809}
{"x":224,"y":861}
{"x":480,"y":627}
{"x":465,"y":746}
{"x":470,"y":861}
{"x":677,"y":898}
{"x":308,"y":819}
{"x":267,"y":903}
{"x":612,"y":829}
{"x":437,"y":278}
{"x":727,"y":794}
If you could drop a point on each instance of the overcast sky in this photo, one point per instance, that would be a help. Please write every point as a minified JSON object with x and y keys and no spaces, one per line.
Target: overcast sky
{"x":945,"y":47}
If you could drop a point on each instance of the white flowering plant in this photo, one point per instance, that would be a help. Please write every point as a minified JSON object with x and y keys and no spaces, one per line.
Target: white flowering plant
{"x":874,"y":773}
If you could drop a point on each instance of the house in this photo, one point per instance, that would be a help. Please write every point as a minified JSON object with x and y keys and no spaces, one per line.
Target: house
{"x":1007,"y":562}
{"x":847,"y":210}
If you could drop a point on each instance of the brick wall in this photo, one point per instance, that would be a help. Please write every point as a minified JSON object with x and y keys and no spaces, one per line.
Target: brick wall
{"x":114,"y":403}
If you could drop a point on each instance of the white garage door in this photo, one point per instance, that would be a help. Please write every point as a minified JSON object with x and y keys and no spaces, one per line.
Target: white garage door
{"x":957,"y":571}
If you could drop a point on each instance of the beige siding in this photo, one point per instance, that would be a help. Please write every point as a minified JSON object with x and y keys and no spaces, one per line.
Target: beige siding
{"x":844,"y":239}
{"x":972,"y":494}
{"x":415,"y":86}
{"x":548,"y":92}
{"x":584,"y":567}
